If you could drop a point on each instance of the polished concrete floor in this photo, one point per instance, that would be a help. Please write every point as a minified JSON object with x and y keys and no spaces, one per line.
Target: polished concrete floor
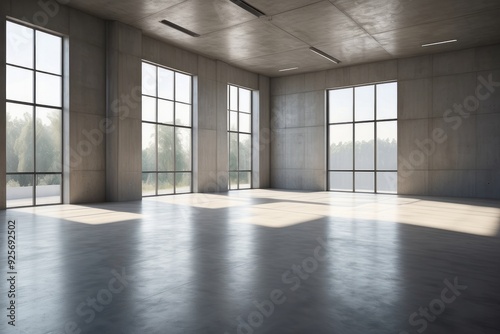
{"x":259,"y":261}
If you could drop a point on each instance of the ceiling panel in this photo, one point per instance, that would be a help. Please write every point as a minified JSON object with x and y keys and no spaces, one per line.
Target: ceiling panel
{"x":126,"y":11}
{"x":200,"y":16}
{"x":318,"y":23}
{"x":471,"y":30}
{"x":385,"y":15}
{"x":248,"y":40}
{"x":304,"y":59}
{"x":274,"y":7}
{"x":349,"y":52}
{"x":356,"y":50}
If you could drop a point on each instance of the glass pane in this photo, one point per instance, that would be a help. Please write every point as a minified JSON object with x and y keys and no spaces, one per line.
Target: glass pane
{"x":233,"y":180}
{"x":148,"y":109}
{"x":387,"y":145}
{"x":387,"y":101}
{"x":148,"y":184}
{"x":233,"y":121}
{"x":166,"y":148}
{"x":19,"y":84}
{"x":245,"y":180}
{"x":245,"y":122}
{"x":182,"y":183}
{"x":48,"y":53}
{"x":182,"y":114}
{"x":48,"y":189}
{"x":19,"y":133}
{"x":341,"y":101}
{"x":48,"y":140}
{"x":341,"y":149}
{"x":341,"y":181}
{"x":364,"y":103}
{"x":182,"y":88}
{"x":165,"y":83}
{"x":165,"y":183}
{"x":165,"y":112}
{"x":19,"y":190}
{"x":233,"y":98}
{"x":148,"y":147}
{"x":148,"y":79}
{"x":182,"y":149}
{"x":245,"y":152}
{"x":365,"y":146}
{"x":48,"y":90}
{"x":245,"y":100}
{"x":387,"y":182}
{"x":364,"y":182}
{"x":233,"y":151}
{"x":20,"y":41}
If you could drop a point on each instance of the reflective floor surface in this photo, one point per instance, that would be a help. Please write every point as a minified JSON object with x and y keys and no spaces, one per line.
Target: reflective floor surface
{"x":259,"y":261}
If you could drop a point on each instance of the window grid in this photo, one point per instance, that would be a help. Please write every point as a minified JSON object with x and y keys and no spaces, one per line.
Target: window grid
{"x":177,"y":175}
{"x":241,"y":174}
{"x":375,"y":171}
{"x":34,"y":69}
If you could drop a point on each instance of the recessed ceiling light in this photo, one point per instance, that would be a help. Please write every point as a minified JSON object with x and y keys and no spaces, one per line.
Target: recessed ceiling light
{"x":325,"y":55}
{"x":181,"y":29}
{"x":438,"y":43}
{"x":249,"y":8}
{"x":289,"y":69}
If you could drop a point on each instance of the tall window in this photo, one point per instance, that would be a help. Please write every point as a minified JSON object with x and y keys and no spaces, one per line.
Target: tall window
{"x":166,"y":131}
{"x":362,"y":135}
{"x":240,"y":137}
{"x":34,"y":116}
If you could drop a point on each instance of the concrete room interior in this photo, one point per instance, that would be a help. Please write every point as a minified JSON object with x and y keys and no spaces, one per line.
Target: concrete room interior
{"x":288,"y":240}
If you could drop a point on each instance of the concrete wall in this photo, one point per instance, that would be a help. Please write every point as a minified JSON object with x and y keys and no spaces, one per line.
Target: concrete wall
{"x":446,"y":93}
{"x":103,"y":107}
{"x":443,"y":150}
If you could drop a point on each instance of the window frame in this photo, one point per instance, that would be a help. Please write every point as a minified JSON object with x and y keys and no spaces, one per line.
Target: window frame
{"x":34,"y":105}
{"x":175,"y":126}
{"x":238,"y":132}
{"x":375,"y":121}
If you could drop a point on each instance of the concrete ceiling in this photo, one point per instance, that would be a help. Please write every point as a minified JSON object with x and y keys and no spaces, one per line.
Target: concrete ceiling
{"x":353,"y":31}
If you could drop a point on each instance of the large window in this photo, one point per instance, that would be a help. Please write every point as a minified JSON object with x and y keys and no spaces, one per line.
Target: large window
{"x":240,"y":137}
{"x":34,"y":116}
{"x":362,"y":135}
{"x":166,"y":131}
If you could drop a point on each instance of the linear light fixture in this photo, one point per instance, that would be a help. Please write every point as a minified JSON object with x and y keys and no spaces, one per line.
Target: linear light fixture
{"x":438,"y":43}
{"x":181,"y":29}
{"x":249,"y":8}
{"x":324,"y":55}
{"x":288,"y":69}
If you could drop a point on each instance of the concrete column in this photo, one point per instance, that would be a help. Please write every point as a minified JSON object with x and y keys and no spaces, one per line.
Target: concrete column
{"x":262,"y":135}
{"x":123,"y":144}
{"x":205,"y":129}
{"x":85,"y":110}
{"x":221,"y":126}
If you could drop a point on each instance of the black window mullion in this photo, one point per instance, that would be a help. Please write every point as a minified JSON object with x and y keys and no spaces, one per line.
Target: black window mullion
{"x":353,"y":139}
{"x":375,"y":123}
{"x":34,"y":117}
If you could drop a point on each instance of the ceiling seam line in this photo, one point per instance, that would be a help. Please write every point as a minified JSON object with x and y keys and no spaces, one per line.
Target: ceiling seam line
{"x":362,"y":28}
{"x":156,"y":13}
{"x":434,"y":21}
